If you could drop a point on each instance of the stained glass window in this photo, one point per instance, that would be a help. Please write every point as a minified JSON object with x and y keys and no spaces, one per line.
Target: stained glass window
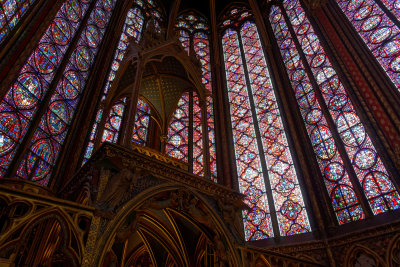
{"x":11,"y":11}
{"x":252,"y":97}
{"x":367,"y":165}
{"x":132,"y":29}
{"x":382,"y":36}
{"x":136,"y":18}
{"x":177,"y":145}
{"x":185,"y":40}
{"x":142,"y":120}
{"x":48,"y":138}
{"x":193,"y":33}
{"x":113,"y":122}
{"x":198,"y":163}
{"x":22,"y":100}
{"x":345,"y":202}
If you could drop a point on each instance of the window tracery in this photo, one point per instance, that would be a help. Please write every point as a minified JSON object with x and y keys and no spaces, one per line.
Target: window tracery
{"x":381,"y":34}
{"x":142,"y":121}
{"x":260,"y":142}
{"x":137,"y":17}
{"x":193,"y":34}
{"x":177,"y":145}
{"x":20,"y":104}
{"x":317,"y":84}
{"x":49,"y":137}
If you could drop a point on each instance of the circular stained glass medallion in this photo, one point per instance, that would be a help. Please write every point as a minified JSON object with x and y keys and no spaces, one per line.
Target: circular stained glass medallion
{"x":298,"y":75}
{"x":41,"y":151}
{"x":307,"y":100}
{"x":330,"y":86}
{"x":365,"y":159}
{"x":380,"y":35}
{"x":57,"y":117}
{"x":325,"y":74}
{"x":297,"y":16}
{"x":337,"y":102}
{"x":100,"y":18}
{"x":318,"y":60}
{"x":107,"y":5}
{"x":354,"y":5}
{"x":82,"y":58}
{"x":371,"y":23}
{"x":395,"y":64}
{"x":275,"y":18}
{"x":60,"y":31}
{"x":27,"y":90}
{"x":313,"y":116}
{"x":350,"y":129}
{"x":376,"y":183}
{"x":71,"y":85}
{"x":322,"y":140}
{"x":281,"y":31}
{"x":343,"y":196}
{"x":10,"y":131}
{"x":303,"y":28}
{"x":73,"y":10}
{"x":390,"y":48}
{"x":45,"y":58}
{"x":290,"y":209}
{"x":363,"y":12}
{"x":334,"y":171}
{"x":92,"y":36}
{"x":310,"y":44}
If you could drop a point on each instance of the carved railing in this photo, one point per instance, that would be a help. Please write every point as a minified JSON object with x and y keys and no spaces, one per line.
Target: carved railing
{"x":116,"y":157}
{"x":152,"y":153}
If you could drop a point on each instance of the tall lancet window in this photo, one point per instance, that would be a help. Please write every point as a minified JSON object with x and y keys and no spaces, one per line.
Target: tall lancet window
{"x":378,"y":24}
{"x":142,"y":120}
{"x":322,"y":97}
{"x":42,"y":82}
{"x":177,"y":145}
{"x":11,"y":12}
{"x":113,"y":122}
{"x":193,"y":34}
{"x":135,"y":20}
{"x":264,"y":163}
{"x":185,"y":133}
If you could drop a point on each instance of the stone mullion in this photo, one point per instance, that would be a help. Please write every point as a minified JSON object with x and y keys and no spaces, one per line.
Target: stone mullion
{"x":361,"y":109}
{"x":24,"y":145}
{"x":338,"y":141}
{"x":228,"y":147}
{"x":94,"y":89}
{"x":223,"y":132}
{"x":317,"y":219}
{"x":265,"y":174}
{"x":205,"y":138}
{"x":14,"y":54}
{"x":190,"y":133}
